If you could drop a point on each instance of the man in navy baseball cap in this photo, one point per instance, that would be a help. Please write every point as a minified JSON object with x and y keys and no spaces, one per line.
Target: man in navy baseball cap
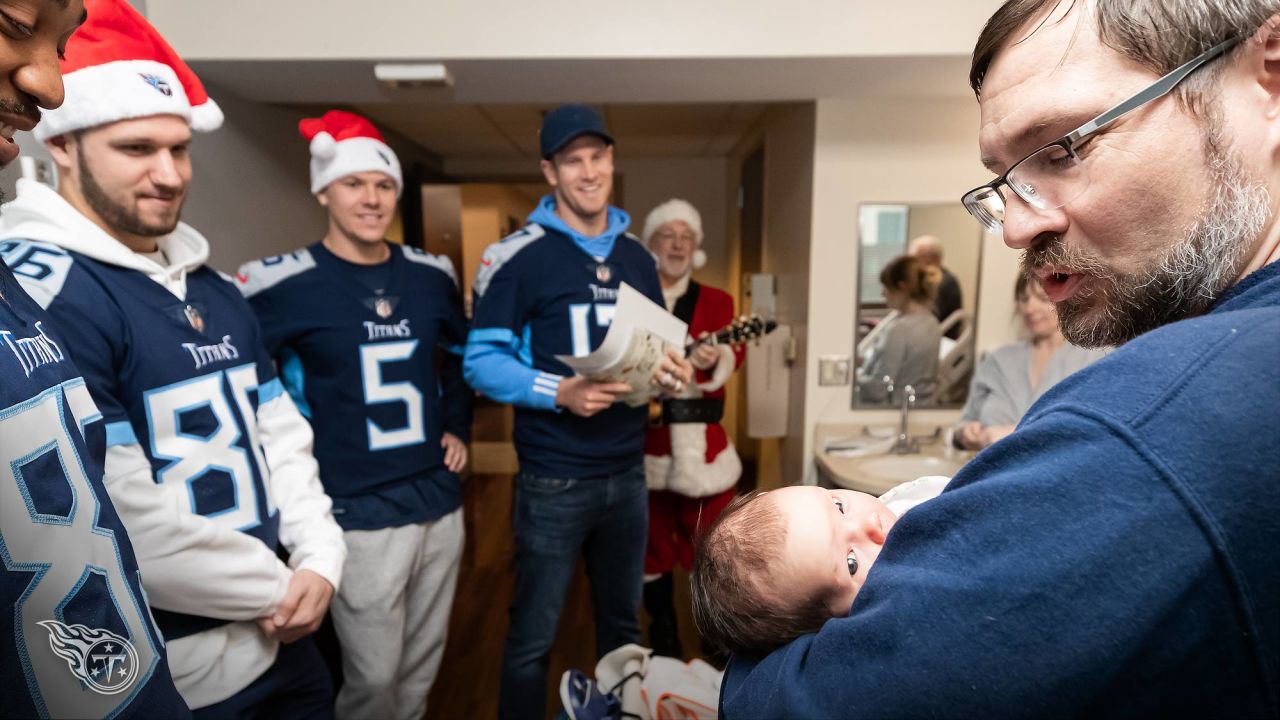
{"x":567,"y":122}
{"x":547,"y":291}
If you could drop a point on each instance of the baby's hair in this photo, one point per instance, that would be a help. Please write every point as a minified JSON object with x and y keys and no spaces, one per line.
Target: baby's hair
{"x":734,"y":606}
{"x":918,"y":280}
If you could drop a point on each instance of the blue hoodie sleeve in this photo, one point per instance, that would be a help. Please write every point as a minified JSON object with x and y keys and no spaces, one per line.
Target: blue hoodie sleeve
{"x":492,"y":365}
{"x":498,"y":360}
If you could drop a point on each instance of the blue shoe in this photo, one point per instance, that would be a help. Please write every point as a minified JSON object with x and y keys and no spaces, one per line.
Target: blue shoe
{"x":583,"y":699}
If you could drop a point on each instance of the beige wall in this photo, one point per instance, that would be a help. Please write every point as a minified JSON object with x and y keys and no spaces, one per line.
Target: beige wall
{"x":650,"y":181}
{"x":913,"y":151}
{"x":251,"y":193}
{"x":997,"y":325}
{"x":786,"y":133}
{"x":485,"y":209}
{"x":393,"y":29}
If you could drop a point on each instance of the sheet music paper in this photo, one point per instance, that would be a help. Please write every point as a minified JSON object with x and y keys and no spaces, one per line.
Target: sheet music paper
{"x":632,"y":350}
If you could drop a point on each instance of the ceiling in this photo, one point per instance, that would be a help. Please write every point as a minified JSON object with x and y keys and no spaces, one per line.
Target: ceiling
{"x":662,"y":107}
{"x":510,"y":132}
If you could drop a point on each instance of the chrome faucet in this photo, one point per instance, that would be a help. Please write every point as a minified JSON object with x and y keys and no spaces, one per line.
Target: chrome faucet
{"x":906,"y":445}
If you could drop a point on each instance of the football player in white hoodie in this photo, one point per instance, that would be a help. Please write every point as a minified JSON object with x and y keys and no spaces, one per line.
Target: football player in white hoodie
{"x":208,"y":461}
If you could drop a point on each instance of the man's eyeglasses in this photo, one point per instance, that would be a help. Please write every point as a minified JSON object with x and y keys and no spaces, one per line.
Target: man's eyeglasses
{"x":671,"y":236}
{"x":1053,"y":175}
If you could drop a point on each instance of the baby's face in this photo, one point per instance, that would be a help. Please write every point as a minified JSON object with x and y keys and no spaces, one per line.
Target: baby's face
{"x":832,"y":538}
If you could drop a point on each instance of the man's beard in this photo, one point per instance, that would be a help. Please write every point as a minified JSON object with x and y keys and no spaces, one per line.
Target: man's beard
{"x":117,"y":216}
{"x":674,"y":269}
{"x":1186,"y":279}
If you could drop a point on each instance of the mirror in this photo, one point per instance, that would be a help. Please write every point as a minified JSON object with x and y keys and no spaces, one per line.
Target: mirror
{"x":901,"y":337}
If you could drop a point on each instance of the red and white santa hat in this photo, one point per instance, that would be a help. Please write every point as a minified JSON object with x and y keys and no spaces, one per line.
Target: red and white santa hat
{"x":670,"y":211}
{"x":117,"y":67}
{"x":344,"y":143}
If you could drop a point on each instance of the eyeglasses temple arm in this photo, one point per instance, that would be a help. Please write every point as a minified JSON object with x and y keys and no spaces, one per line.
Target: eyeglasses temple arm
{"x":1157,"y":89}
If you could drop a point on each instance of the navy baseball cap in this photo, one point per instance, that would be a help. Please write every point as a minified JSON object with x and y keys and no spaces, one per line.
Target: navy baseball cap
{"x":563,"y":124}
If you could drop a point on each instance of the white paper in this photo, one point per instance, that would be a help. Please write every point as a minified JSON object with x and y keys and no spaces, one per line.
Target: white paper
{"x":632,"y":350}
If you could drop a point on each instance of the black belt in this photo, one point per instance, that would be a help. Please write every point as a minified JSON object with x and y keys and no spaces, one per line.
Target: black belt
{"x":708,"y":410}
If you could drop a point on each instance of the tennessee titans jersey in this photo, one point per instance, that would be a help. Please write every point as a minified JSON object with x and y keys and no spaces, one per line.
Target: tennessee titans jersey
{"x":183,"y":379}
{"x":540,"y":292}
{"x":377,"y":373}
{"x":78,"y":640}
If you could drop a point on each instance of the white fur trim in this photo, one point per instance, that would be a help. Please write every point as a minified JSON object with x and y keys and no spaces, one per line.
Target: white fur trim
{"x":323,"y":146}
{"x":354,"y":155}
{"x":115,"y":91}
{"x":723,"y":370}
{"x":207,"y":117}
{"x":686,"y":471}
{"x":699,"y":258}
{"x":672,"y":294}
{"x":670,"y":211}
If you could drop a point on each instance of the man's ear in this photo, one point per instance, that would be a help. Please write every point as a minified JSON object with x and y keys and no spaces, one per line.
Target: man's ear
{"x":322,"y":197}
{"x":1268,"y":70}
{"x":549,"y":173}
{"x":60,"y":148}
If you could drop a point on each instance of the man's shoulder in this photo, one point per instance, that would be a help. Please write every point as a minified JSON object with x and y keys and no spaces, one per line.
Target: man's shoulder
{"x":424,"y":259}
{"x":632,"y":246}
{"x":1170,"y":369}
{"x":1016,"y":351}
{"x":504,"y":254}
{"x":262,"y":275}
{"x":714,"y":295}
{"x":43,"y":268}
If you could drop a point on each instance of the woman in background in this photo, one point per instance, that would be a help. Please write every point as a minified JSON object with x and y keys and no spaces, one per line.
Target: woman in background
{"x":1013,"y":377}
{"x":906,"y":350}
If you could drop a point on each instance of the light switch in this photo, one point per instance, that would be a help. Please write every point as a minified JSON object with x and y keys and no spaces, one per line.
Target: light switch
{"x":833,"y":370}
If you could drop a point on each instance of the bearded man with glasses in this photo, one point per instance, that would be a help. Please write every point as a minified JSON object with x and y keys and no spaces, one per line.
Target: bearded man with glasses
{"x":1116,"y":555}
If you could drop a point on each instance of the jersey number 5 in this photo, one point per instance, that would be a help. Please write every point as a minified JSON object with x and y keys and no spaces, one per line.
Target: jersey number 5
{"x":378,"y":391}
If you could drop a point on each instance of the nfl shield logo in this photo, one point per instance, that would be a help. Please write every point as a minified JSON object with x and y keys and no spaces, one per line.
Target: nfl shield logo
{"x":383,"y":307}
{"x":603,"y":273}
{"x":193,"y":317}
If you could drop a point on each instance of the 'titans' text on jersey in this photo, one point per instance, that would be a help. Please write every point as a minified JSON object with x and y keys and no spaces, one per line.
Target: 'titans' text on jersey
{"x":362,"y":363}
{"x":78,"y":640}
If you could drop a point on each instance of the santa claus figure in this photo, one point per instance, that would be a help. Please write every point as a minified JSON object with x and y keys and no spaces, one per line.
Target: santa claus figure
{"x":691,"y":467}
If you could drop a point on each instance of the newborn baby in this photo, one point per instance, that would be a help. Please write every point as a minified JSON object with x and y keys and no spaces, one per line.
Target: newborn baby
{"x":779,"y":564}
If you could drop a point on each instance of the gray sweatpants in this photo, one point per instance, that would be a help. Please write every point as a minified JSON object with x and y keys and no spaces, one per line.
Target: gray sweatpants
{"x":392,"y":615}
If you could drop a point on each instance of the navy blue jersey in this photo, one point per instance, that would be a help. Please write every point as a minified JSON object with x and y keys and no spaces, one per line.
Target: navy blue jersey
{"x":78,"y":640}
{"x":377,"y":373}
{"x":183,"y":379}
{"x":541,"y":293}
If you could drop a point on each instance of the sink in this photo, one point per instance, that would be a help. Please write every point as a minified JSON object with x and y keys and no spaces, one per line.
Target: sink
{"x":880,"y":473}
{"x":858,"y":458}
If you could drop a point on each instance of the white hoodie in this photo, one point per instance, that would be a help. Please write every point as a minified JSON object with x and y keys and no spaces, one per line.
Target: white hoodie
{"x":189,"y":564}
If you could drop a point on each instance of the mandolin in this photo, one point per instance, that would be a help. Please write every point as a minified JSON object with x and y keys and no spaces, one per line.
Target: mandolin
{"x":745,"y":328}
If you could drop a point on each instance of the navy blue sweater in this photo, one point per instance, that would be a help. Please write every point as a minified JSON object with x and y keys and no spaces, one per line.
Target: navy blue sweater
{"x":1118,"y":555}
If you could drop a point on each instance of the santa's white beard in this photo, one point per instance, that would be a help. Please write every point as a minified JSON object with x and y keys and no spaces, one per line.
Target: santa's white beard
{"x":673,"y":269}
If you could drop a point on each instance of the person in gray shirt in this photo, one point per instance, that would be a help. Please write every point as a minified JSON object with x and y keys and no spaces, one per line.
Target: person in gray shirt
{"x":906,"y":350}
{"x":1013,"y":377}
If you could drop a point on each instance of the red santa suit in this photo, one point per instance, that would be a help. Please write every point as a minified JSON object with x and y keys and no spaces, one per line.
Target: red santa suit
{"x":691,"y":467}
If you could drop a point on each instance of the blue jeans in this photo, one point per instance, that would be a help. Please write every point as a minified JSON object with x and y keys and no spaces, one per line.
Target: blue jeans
{"x":607,"y":520}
